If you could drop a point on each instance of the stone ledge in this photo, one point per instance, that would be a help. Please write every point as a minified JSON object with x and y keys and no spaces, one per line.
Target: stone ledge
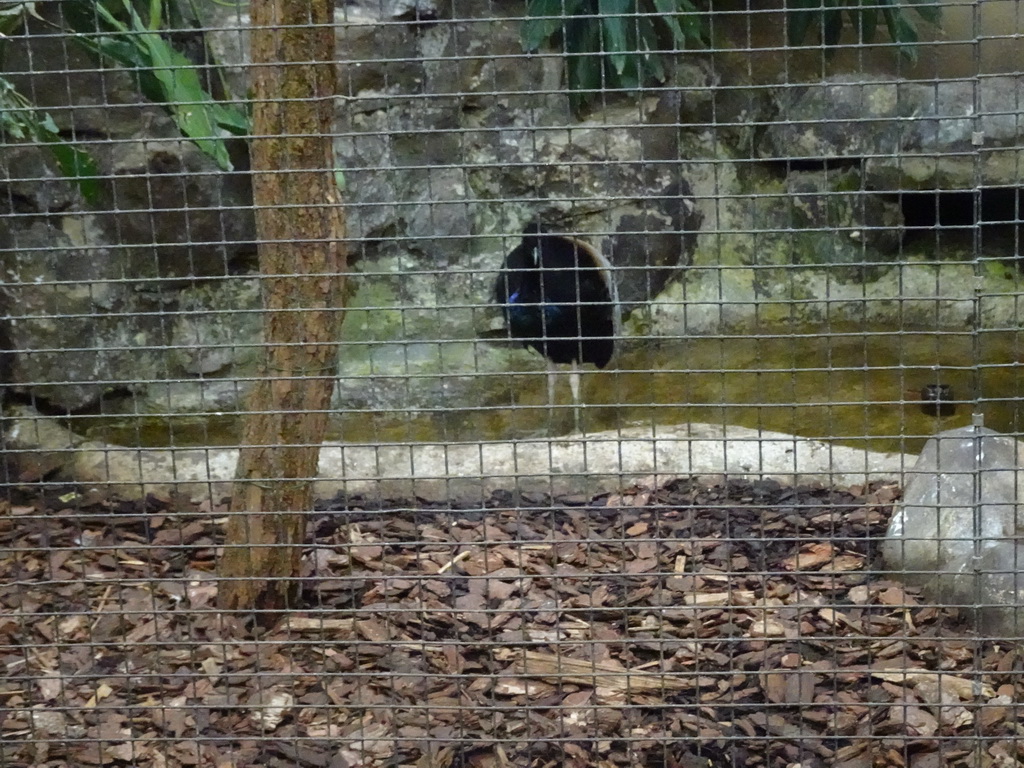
{"x":594,"y":463}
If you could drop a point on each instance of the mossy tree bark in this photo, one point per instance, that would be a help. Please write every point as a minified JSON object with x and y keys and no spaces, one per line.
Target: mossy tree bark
{"x":302,"y":262}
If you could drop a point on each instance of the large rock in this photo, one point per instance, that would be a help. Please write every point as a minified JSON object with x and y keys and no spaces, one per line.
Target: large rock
{"x":74,"y":330}
{"x":178,"y":214}
{"x":85,"y":285}
{"x":824,"y":219}
{"x":911,"y":135}
{"x":84,"y":289}
{"x":392,"y":53}
{"x":959,"y":529}
{"x":214,"y":326}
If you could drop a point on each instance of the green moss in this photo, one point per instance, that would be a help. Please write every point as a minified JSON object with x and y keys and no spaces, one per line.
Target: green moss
{"x":371,"y":314}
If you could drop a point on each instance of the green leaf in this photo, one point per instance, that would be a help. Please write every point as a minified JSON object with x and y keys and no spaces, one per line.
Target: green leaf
{"x":13,"y":128}
{"x":621,"y":14}
{"x":79,"y":167}
{"x":165,"y":75}
{"x":121,"y":49}
{"x":631,"y":77}
{"x":828,"y":15}
{"x":156,"y":8}
{"x":832,"y":26}
{"x":693,"y":22}
{"x":617,"y":27}
{"x":19,"y":120}
{"x":47,"y":124}
{"x":13,"y":16}
{"x":867,"y":20}
{"x":906,"y":32}
{"x":230,"y":118}
{"x":112,"y":21}
{"x":901,"y":31}
{"x":650,"y":66}
{"x":668,"y":11}
{"x":190,"y":113}
{"x":546,"y":18}
{"x":585,"y":67}
{"x":798,"y":20}
{"x":929,"y":10}
{"x":684,"y":22}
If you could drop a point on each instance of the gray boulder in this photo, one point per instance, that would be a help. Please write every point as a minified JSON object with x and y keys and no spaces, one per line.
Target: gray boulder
{"x":910,"y":135}
{"x":74,"y":331}
{"x":85,"y":287}
{"x":958,"y":532}
{"x":88,"y":287}
{"x":825,"y":219}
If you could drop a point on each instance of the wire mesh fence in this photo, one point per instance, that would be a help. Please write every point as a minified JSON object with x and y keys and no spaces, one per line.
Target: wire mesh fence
{"x":675,"y":414}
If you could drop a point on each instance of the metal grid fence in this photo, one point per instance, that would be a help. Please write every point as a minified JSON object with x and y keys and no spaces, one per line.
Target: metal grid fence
{"x":738,"y":544}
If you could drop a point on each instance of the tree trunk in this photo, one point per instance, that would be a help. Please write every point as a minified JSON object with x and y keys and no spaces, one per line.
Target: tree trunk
{"x":302,"y":263}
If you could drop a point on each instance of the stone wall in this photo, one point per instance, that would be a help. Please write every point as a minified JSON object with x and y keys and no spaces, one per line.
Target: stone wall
{"x":451,"y":139}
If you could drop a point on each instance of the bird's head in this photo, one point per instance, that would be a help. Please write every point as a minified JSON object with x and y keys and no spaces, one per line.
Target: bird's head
{"x":531,"y":242}
{"x":532,"y":233}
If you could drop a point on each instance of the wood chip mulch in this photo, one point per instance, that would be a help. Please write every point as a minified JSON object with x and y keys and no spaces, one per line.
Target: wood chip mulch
{"x":691,"y":625}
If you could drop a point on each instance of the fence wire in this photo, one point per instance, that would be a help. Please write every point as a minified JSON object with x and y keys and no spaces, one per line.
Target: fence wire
{"x":676,"y":414}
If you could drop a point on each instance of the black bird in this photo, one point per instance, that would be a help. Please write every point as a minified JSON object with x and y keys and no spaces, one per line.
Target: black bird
{"x":558,"y":298}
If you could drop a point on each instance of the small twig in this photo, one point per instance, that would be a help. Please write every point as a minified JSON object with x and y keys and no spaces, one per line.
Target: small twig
{"x":454,"y":561}
{"x":99,"y":608}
